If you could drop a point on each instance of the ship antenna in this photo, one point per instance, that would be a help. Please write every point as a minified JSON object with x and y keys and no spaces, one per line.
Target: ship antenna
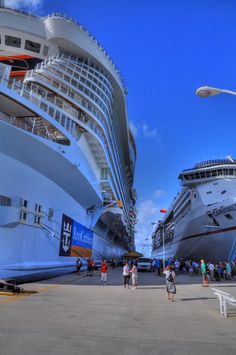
{"x":2,"y":3}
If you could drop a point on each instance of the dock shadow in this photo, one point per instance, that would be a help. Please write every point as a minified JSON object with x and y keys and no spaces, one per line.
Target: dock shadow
{"x":197,"y":298}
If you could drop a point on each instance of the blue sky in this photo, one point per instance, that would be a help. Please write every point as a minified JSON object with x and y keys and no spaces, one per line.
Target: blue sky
{"x":165,"y":50}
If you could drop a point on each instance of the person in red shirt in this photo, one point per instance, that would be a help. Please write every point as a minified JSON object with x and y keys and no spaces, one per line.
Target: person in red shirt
{"x":104,"y":269}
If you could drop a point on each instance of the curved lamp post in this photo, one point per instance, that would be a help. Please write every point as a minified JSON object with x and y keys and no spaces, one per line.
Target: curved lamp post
{"x":163,"y":210}
{"x":206,"y":91}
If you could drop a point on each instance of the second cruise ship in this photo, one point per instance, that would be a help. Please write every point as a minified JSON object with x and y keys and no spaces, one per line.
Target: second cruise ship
{"x":201,"y":222}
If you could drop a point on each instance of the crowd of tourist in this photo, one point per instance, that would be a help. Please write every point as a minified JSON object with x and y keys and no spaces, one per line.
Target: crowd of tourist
{"x":215,"y":270}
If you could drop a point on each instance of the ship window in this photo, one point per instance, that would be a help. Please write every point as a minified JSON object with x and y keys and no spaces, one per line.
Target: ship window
{"x":38,"y":211}
{"x":23,"y":203}
{"x":43,"y":106}
{"x":223,"y":192}
{"x":23,"y":216}
{"x":104,"y":173}
{"x":228,"y":216}
{"x":51,"y":111}
{"x":57,"y":116}
{"x":12,"y":41}
{"x":32,"y":46}
{"x":209,"y":192}
{"x":63,"y":118}
{"x":5,"y":201}
{"x":50,"y":214}
{"x":45,"y":50}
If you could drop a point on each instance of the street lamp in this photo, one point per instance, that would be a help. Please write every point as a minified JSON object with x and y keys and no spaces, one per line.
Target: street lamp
{"x":206,"y":91}
{"x":162,"y":227}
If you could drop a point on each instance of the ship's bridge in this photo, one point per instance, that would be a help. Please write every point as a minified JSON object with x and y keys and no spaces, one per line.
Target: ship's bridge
{"x":209,"y":170}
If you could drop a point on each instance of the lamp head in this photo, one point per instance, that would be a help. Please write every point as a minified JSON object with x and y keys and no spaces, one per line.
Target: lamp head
{"x":206,"y":91}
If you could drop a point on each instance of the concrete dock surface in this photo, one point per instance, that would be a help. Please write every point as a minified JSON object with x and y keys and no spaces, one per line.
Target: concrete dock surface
{"x":76,"y":315}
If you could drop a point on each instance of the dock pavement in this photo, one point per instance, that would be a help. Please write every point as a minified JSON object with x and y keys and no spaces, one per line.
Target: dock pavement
{"x":74,"y":314}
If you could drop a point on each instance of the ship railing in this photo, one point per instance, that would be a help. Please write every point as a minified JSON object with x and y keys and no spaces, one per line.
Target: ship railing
{"x":60,"y":87}
{"x":83,"y":104}
{"x":104,"y":104}
{"x":20,"y":12}
{"x":76,"y":97}
{"x":85,"y":30}
{"x":19,"y":87}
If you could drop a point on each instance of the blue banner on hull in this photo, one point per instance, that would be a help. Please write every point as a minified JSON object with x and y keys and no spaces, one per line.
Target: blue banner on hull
{"x":66,"y":236}
{"x":76,"y":239}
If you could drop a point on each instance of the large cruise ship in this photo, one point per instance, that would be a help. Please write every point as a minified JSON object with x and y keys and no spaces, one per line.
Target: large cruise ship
{"x":66,"y":150}
{"x":201,"y":222}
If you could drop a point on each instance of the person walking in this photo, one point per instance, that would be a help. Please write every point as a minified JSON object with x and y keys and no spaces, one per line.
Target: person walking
{"x":90,"y":266}
{"x":158,"y":267}
{"x":228,"y":271}
{"x":78,"y":265}
{"x":205,"y":279}
{"x":211,"y":269}
{"x":104,"y":269}
{"x":153,"y":265}
{"x":170,"y":282}
{"x":134,"y":273}
{"x":126,"y":275}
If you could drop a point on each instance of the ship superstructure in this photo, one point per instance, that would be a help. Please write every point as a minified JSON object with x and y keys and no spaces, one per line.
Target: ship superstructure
{"x":201,"y":222}
{"x":67,"y":152}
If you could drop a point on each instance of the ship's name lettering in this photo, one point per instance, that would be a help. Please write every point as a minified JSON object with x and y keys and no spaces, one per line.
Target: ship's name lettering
{"x":223,"y":210}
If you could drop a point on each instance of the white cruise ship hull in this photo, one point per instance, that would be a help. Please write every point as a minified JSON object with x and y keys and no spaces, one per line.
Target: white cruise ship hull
{"x":66,"y":151}
{"x":208,"y":229}
{"x":196,"y":242}
{"x":31,"y":251}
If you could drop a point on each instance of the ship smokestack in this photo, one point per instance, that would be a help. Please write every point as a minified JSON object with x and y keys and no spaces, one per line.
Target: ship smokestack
{"x":2,"y":3}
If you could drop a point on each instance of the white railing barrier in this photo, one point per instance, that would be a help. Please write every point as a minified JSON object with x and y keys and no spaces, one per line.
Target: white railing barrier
{"x":224,"y":300}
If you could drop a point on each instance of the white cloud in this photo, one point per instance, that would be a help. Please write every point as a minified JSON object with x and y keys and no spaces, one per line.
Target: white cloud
{"x":158,"y":193}
{"x":24,"y":4}
{"x":148,"y":132}
{"x":143,"y":130}
{"x":148,"y":212}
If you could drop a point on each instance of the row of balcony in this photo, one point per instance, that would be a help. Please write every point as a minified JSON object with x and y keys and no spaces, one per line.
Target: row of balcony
{"x":85,"y":105}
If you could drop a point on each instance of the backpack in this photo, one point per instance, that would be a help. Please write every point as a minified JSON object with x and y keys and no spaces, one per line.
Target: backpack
{"x":170,"y":278}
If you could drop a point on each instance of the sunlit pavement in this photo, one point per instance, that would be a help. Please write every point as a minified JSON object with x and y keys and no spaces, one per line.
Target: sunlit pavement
{"x":76,"y":315}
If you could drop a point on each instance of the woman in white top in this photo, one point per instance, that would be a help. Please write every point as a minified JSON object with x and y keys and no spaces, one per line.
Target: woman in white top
{"x":134,"y":273}
{"x":126,"y":274}
{"x":170,"y":282}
